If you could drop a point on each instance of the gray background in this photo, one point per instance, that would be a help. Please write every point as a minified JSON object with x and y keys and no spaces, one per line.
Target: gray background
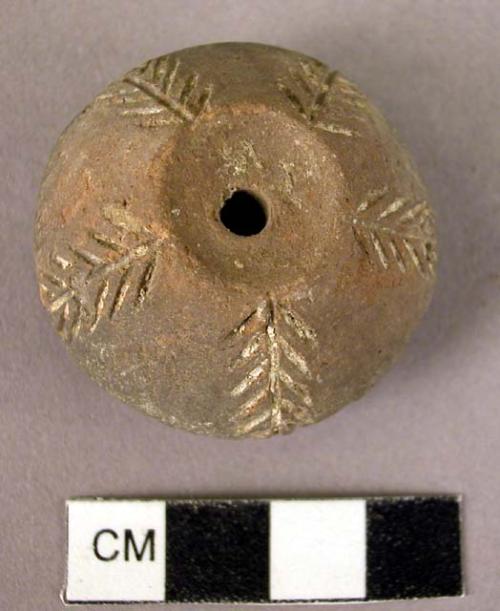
{"x":431,"y":425}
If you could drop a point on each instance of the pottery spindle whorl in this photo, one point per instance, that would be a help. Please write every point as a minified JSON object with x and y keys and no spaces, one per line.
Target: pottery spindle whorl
{"x":231,"y":239}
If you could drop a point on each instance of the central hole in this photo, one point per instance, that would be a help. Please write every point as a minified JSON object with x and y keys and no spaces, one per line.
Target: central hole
{"x":243,"y":214}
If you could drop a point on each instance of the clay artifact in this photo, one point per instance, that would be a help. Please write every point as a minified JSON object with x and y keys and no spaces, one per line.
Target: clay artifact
{"x":231,"y":239}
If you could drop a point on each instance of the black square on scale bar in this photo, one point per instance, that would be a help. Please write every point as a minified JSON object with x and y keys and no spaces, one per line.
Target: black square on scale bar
{"x":217,"y":551}
{"x":414,"y":548}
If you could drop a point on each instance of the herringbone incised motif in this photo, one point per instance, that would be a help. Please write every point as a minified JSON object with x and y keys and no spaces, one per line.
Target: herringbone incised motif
{"x":396,"y":232}
{"x":86,"y":284}
{"x":274,"y":390}
{"x":310,"y":89}
{"x":159,"y":93}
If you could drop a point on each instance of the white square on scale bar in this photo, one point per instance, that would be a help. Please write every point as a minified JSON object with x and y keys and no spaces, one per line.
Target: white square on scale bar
{"x":116,"y":551}
{"x":318,"y":550}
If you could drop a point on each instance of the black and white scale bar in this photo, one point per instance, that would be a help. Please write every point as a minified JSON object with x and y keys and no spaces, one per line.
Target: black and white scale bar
{"x":263,"y":551}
